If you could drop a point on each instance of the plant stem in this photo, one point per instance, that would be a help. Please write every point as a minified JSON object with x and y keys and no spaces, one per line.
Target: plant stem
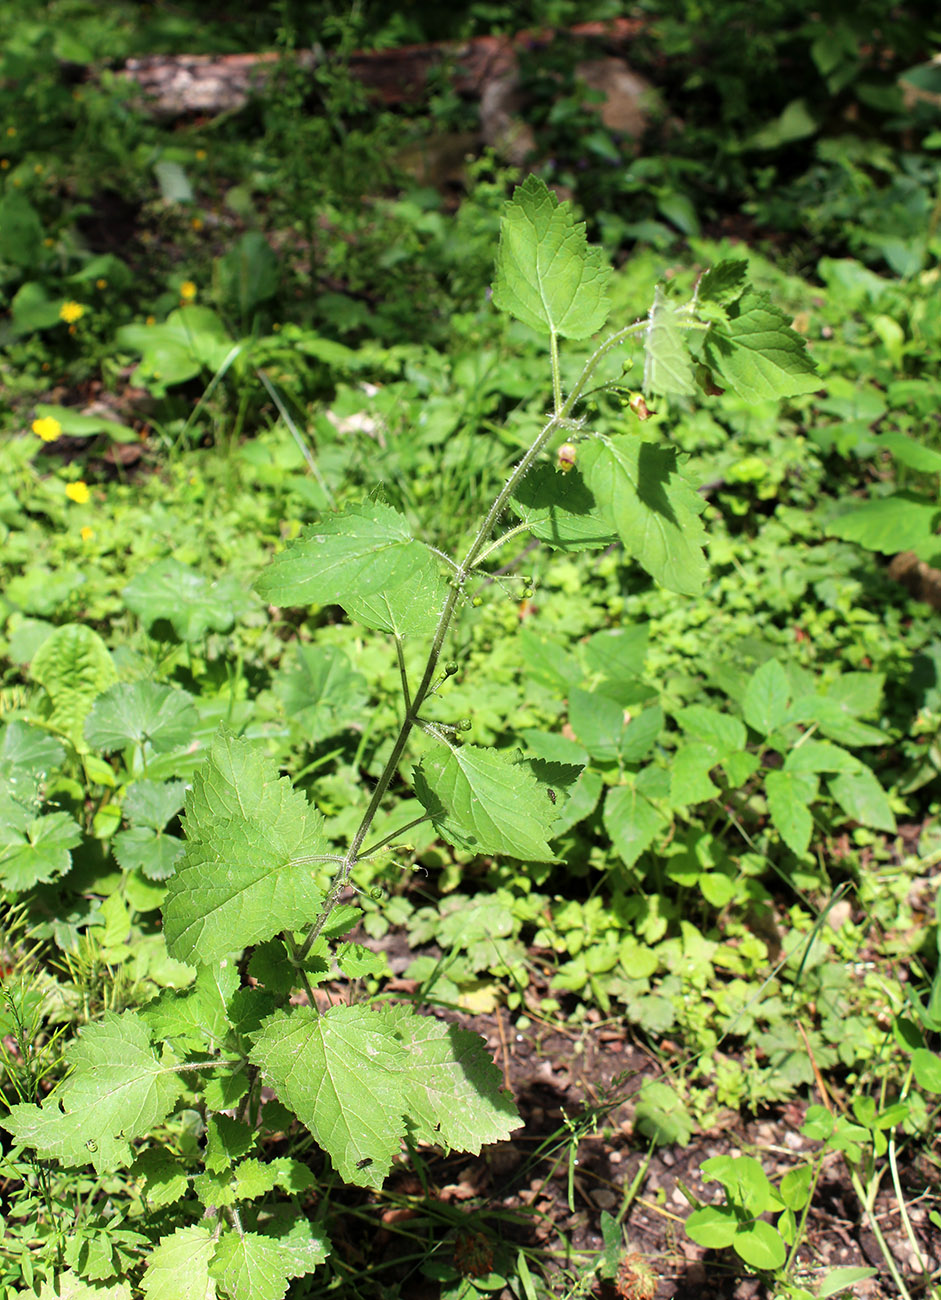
{"x":480,"y":546}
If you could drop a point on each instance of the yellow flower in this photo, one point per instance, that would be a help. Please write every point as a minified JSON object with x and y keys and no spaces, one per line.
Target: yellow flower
{"x":47,"y":428}
{"x":151,"y":320}
{"x":4,"y":164}
{"x":187,"y":291}
{"x":101,"y":284}
{"x":38,"y":169}
{"x":200,"y":155}
{"x":197,"y":223}
{"x":48,"y":242}
{"x":70,"y":312}
{"x":78,"y":492}
{"x":11,"y":131}
{"x":86,"y":533}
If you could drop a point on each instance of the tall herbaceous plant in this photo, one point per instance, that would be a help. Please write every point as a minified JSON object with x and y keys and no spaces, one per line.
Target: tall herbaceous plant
{"x":257,"y":905}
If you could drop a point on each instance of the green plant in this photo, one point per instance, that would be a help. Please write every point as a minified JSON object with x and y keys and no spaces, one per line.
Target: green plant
{"x":258,"y":904}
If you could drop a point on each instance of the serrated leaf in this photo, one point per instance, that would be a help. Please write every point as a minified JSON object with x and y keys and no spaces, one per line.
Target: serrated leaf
{"x":560,"y":510}
{"x":69,"y":1286}
{"x":547,"y":275}
{"x":166,"y":1177}
{"x":654,"y":510}
{"x":366,"y":560}
{"x":29,"y":748}
{"x":598,"y":723}
{"x":189,"y":601}
{"x":73,"y":665}
{"x":482,"y":801}
{"x":863,"y":799}
{"x":757,"y":354}
{"x":139,"y":713}
{"x":452,"y":1090}
{"x":901,"y":522}
{"x":911,"y":453}
{"x":837,"y":711}
{"x":632,"y":821}
{"x":668,"y":371}
{"x":789,"y":797}
{"x":340,"y":1074}
{"x":249,"y":1266}
{"x":766,"y":698}
{"x":244,"y":876}
{"x":724,"y":282}
{"x":117,"y":1092}
{"x":178,"y":1266}
{"x":690,"y":782}
{"x":37,"y":851}
{"x":722,"y":732}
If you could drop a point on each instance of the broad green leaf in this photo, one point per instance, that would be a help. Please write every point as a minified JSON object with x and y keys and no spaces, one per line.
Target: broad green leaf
{"x":795,"y":1186}
{"x":757,"y":354}
{"x":74,"y":666}
{"x":140,"y":848}
{"x":38,"y":850}
{"x":926,"y":1066}
{"x":794,"y":122}
{"x":863,"y":799}
{"x":340,"y":1073}
{"x":724,"y":282}
{"x":366,"y":560}
{"x":29,"y":748}
{"x":653,"y":508}
{"x":713,"y":1226}
{"x":662,"y":1115}
{"x":548,"y":663}
{"x":838,"y":710}
{"x":632,"y":821}
{"x":901,"y":522}
{"x":640,"y":734}
{"x":191,"y":339}
{"x":561,"y":511}
{"x":178,"y":1266}
{"x":766,"y":698}
{"x":320,"y":691}
{"x":690,"y":782}
{"x":789,"y":797}
{"x":618,"y":652}
{"x":172,"y":592}
{"x":249,"y":1266}
{"x":248,"y":273}
{"x":166,"y":1177}
{"x":668,"y":370}
{"x":153,"y":803}
{"x":117,"y":1092}
{"x":820,"y":756}
{"x":722,"y":732}
{"x":453,"y":1091}
{"x":245,"y":874}
{"x":911,"y":453}
{"x":139,"y":713}
{"x":480,"y":800}
{"x":745,"y":1181}
{"x":547,"y":275}
{"x":598,"y":723}
{"x":760,"y":1246}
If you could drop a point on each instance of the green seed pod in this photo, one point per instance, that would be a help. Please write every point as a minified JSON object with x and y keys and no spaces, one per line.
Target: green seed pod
{"x":463,"y":725}
{"x":450,"y":668}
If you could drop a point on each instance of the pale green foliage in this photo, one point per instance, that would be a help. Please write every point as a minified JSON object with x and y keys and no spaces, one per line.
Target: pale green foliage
{"x":756,"y":353}
{"x":73,"y":665}
{"x":117,"y":1092}
{"x":245,"y":874}
{"x":547,"y":276}
{"x":366,"y":560}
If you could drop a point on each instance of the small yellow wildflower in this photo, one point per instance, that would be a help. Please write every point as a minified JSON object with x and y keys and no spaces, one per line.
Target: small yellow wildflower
{"x":78,"y":492}
{"x":11,"y":131}
{"x":4,"y":164}
{"x":38,"y":169}
{"x":48,"y":242}
{"x":86,"y":533}
{"x":200,"y":155}
{"x":47,"y":428}
{"x":17,"y":182}
{"x":151,"y":320}
{"x":187,"y":291}
{"x":70,"y":312}
{"x":101,"y":284}
{"x":197,"y":223}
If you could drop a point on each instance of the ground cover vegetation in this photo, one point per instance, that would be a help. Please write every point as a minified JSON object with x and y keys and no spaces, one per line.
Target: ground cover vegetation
{"x":440,"y":611}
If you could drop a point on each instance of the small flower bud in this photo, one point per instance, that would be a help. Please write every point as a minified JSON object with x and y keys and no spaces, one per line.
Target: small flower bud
{"x":450,"y":668}
{"x":639,"y":406}
{"x":567,"y":454}
{"x":464,"y":724}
